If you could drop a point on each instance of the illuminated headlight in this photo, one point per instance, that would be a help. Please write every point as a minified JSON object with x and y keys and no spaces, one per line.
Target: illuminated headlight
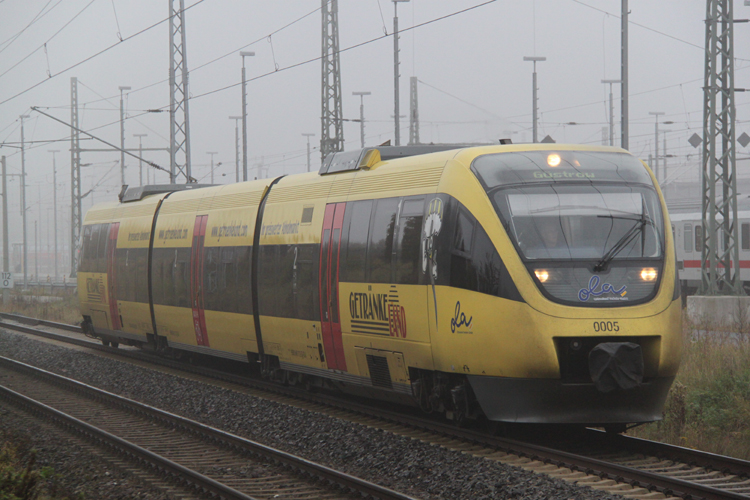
{"x":649,"y":274}
{"x":553,"y":160}
{"x":541,"y":274}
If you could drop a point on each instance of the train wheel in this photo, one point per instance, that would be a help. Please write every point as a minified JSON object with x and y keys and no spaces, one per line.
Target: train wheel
{"x":115,"y":344}
{"x":105,"y":343}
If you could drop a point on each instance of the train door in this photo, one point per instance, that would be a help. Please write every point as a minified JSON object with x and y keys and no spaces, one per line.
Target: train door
{"x":196,"y":280}
{"x":114,"y":312}
{"x":330,"y":244}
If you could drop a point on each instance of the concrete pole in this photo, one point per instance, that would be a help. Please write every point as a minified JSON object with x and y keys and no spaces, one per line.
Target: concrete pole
{"x":23,"y":206}
{"x":36,"y":253}
{"x":625,"y":134}
{"x":611,"y":112}
{"x":122,"y":137}
{"x":244,"y":115}
{"x":308,"y":149}
{"x":362,"y":115}
{"x":54,"y":201}
{"x":396,"y":114}
{"x":535,"y":108}
{"x":656,"y":115}
{"x":140,"y":155}
{"x":212,"y":153}
{"x":6,"y":243}
{"x":236,"y":147}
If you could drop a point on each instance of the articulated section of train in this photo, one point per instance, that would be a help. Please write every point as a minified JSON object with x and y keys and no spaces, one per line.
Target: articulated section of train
{"x":520,"y":283}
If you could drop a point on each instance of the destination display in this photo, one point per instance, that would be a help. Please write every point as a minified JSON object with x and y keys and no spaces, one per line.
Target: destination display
{"x":558,"y":166}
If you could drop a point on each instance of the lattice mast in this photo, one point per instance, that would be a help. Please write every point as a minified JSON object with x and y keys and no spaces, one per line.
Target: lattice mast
{"x":332,"y":125}
{"x":413,"y":112}
{"x":76,"y":219}
{"x":720,"y":251}
{"x":179,"y":121}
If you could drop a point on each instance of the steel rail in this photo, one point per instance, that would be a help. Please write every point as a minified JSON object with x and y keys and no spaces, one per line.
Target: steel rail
{"x":192,"y":478}
{"x":606,"y":470}
{"x":217,"y":436}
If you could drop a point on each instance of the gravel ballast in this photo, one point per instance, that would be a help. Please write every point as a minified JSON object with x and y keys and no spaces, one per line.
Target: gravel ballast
{"x":403,"y":464}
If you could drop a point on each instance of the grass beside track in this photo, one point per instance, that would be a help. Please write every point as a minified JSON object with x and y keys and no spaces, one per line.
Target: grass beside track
{"x":62,"y":307}
{"x":20,"y":478}
{"x":708,"y":407}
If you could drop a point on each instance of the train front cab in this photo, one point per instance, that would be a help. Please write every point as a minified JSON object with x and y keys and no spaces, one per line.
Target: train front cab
{"x":525,"y":347}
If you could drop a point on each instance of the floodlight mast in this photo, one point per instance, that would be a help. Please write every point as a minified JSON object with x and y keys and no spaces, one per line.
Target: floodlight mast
{"x":362,"y":115}
{"x":534,"y":59}
{"x":243,"y":55}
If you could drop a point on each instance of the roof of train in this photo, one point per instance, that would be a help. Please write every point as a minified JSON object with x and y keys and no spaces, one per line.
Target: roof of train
{"x":392,"y":159}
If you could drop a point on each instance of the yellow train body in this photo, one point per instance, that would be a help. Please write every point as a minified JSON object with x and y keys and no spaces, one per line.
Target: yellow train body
{"x":236,"y":271}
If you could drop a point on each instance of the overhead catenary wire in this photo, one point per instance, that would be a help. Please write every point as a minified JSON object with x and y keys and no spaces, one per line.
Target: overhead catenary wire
{"x":104,"y":50}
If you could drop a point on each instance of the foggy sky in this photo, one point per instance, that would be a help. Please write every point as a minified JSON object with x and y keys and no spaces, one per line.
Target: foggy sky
{"x":477,"y":88}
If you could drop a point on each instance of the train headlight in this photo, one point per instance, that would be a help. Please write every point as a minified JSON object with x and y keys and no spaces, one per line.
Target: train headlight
{"x":649,"y":274}
{"x":553,"y":160}
{"x":541,"y":274}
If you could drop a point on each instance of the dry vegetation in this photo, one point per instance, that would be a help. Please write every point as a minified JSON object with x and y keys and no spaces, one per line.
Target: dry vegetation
{"x":62,"y":308}
{"x":708,"y":407}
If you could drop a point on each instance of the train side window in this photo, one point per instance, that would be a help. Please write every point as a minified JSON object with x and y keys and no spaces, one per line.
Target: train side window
{"x":140,"y":258}
{"x":687,"y":234}
{"x":463,"y":273}
{"x":124,"y":276}
{"x":101,"y":252}
{"x":408,"y":262}
{"x":162,"y":287}
{"x":211,"y":297}
{"x":492,"y":275}
{"x":353,"y":266}
{"x":303,"y":282}
{"x":181,"y":277}
{"x":380,"y":248}
{"x":228,"y":280}
{"x":745,"y":236}
{"x":268,"y":281}
{"x":85,"y":256}
{"x":698,"y":238}
{"x":243,"y":257}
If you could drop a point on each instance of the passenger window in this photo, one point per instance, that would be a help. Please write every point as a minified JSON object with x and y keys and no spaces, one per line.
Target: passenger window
{"x":463,"y":273}
{"x":687,"y":235}
{"x":359,"y":227}
{"x":698,"y":238}
{"x":490,"y":271}
{"x":101,"y":253}
{"x":228,"y":280}
{"x":464,"y":233}
{"x":745,"y":236}
{"x":244,"y":294}
{"x":304,"y":285}
{"x":380,"y":248}
{"x":181,"y":277}
{"x":408,"y":263}
{"x":84,"y":265}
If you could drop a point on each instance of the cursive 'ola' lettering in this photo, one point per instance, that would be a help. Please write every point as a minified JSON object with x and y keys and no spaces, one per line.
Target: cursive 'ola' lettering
{"x":585,"y":293}
{"x":459,"y":319}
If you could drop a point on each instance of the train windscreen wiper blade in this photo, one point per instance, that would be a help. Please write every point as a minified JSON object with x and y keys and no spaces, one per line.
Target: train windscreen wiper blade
{"x":624,"y":241}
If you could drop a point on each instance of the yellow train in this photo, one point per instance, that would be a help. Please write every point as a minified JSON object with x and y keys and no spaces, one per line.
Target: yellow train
{"x":520,"y":283}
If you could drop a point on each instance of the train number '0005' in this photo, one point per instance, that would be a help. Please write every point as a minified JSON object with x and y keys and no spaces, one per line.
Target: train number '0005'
{"x":606,"y":326}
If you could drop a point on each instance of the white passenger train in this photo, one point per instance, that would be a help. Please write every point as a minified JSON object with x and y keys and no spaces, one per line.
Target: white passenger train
{"x":687,"y":229}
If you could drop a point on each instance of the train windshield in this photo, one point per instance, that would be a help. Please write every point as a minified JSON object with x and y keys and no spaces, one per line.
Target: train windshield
{"x":573,"y":205}
{"x":583,"y":222}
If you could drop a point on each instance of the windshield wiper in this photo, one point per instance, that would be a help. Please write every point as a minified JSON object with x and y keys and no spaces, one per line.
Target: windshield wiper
{"x":624,"y":241}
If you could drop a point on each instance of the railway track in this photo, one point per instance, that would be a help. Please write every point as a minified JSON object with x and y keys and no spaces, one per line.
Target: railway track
{"x":618,"y":464}
{"x":209,"y":461}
